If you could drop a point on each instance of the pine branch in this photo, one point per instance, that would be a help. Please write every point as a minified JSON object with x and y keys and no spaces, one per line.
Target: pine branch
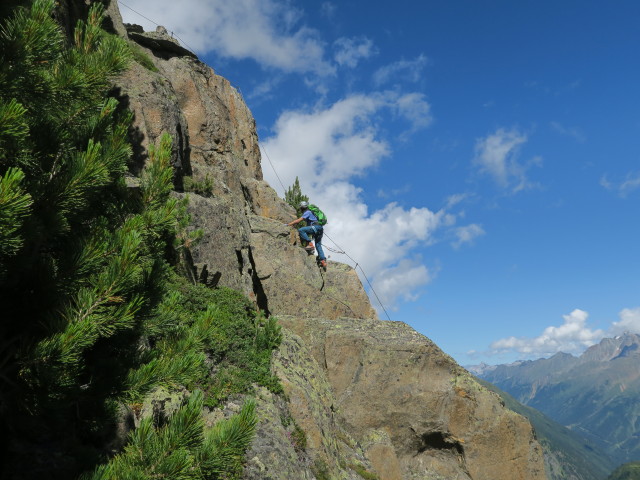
{"x":14,"y":207}
{"x":225,"y":444}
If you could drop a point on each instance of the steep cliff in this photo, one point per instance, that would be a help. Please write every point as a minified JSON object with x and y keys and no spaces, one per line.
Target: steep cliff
{"x":364,"y":398}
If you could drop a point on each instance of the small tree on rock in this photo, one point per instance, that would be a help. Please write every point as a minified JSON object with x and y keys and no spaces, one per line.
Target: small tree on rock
{"x":293,"y":196}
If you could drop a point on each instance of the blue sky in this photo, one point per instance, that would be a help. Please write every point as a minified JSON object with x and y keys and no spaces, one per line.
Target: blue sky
{"x":479,"y":159}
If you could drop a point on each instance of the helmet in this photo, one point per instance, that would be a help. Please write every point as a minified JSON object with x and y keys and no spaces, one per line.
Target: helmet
{"x":304,"y":204}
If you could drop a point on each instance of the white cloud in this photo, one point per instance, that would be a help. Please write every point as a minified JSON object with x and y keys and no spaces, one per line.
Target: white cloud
{"x":625,"y":187}
{"x":349,"y":51}
{"x":328,"y":148}
{"x":573,"y":336}
{"x":337,"y":142}
{"x":405,"y":70}
{"x":334,"y":144}
{"x":415,"y":109}
{"x":629,"y":321}
{"x":497,"y":155}
{"x":456,"y":198}
{"x":402,"y":280}
{"x":267,"y":31}
{"x":467,"y":234}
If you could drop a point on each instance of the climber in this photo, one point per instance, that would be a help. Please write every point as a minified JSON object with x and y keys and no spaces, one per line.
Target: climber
{"x":312,"y":230}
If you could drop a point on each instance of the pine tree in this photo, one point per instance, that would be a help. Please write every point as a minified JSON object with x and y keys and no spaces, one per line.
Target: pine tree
{"x":293,"y":196}
{"x":90,"y":321}
{"x":81,"y":255}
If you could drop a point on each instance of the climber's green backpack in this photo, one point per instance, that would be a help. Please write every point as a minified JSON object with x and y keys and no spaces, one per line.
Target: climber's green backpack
{"x":322,"y":218}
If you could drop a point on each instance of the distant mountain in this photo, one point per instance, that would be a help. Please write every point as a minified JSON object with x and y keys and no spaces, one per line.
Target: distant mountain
{"x":567,"y":455}
{"x":597,"y":394}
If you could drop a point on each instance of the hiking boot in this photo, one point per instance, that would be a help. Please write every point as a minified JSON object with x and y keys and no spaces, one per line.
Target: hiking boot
{"x":323,"y":264}
{"x":310,"y":247}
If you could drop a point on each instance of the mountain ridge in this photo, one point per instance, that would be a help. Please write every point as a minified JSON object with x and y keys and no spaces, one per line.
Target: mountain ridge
{"x":593,"y":394}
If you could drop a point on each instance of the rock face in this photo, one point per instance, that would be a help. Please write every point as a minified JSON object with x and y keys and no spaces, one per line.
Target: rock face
{"x":373,"y":399}
{"x":245,"y":244}
{"x":414,"y":411}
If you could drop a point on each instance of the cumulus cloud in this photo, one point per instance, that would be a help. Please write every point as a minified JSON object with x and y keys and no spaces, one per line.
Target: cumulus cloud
{"x":405,"y":70}
{"x":267,"y":31}
{"x":402,"y":280}
{"x":331,"y":144}
{"x":573,"y":336}
{"x":328,"y":148}
{"x":349,"y":51}
{"x":497,"y":155}
{"x":629,"y":321}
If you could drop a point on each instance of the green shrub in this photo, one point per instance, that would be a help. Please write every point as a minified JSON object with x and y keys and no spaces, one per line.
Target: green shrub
{"x":232,"y":336}
{"x":203,"y":187}
{"x":141,"y":57}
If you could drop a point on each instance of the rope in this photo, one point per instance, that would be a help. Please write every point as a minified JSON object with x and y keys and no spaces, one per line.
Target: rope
{"x":340,"y":252}
{"x":284,"y":190}
{"x":357,"y":265}
{"x":332,"y":297}
{"x":374,"y":292}
{"x":156,"y":24}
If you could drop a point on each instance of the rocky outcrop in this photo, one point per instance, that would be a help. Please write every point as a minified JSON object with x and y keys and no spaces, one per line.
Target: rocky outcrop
{"x":369,"y":398}
{"x":245,"y":244}
{"x":414,"y":411}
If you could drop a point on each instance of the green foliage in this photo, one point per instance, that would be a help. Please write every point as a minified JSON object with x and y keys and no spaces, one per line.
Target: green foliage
{"x":293,"y":196}
{"x":240,"y":341}
{"x":93,"y":315}
{"x":14,"y":207}
{"x":83,"y":259}
{"x":141,"y":57}
{"x":63,"y":154}
{"x":628,"y":471}
{"x":226,"y":443}
{"x":203,"y":187}
{"x":363,"y":472}
{"x":51,"y":91}
{"x":182,"y":449}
